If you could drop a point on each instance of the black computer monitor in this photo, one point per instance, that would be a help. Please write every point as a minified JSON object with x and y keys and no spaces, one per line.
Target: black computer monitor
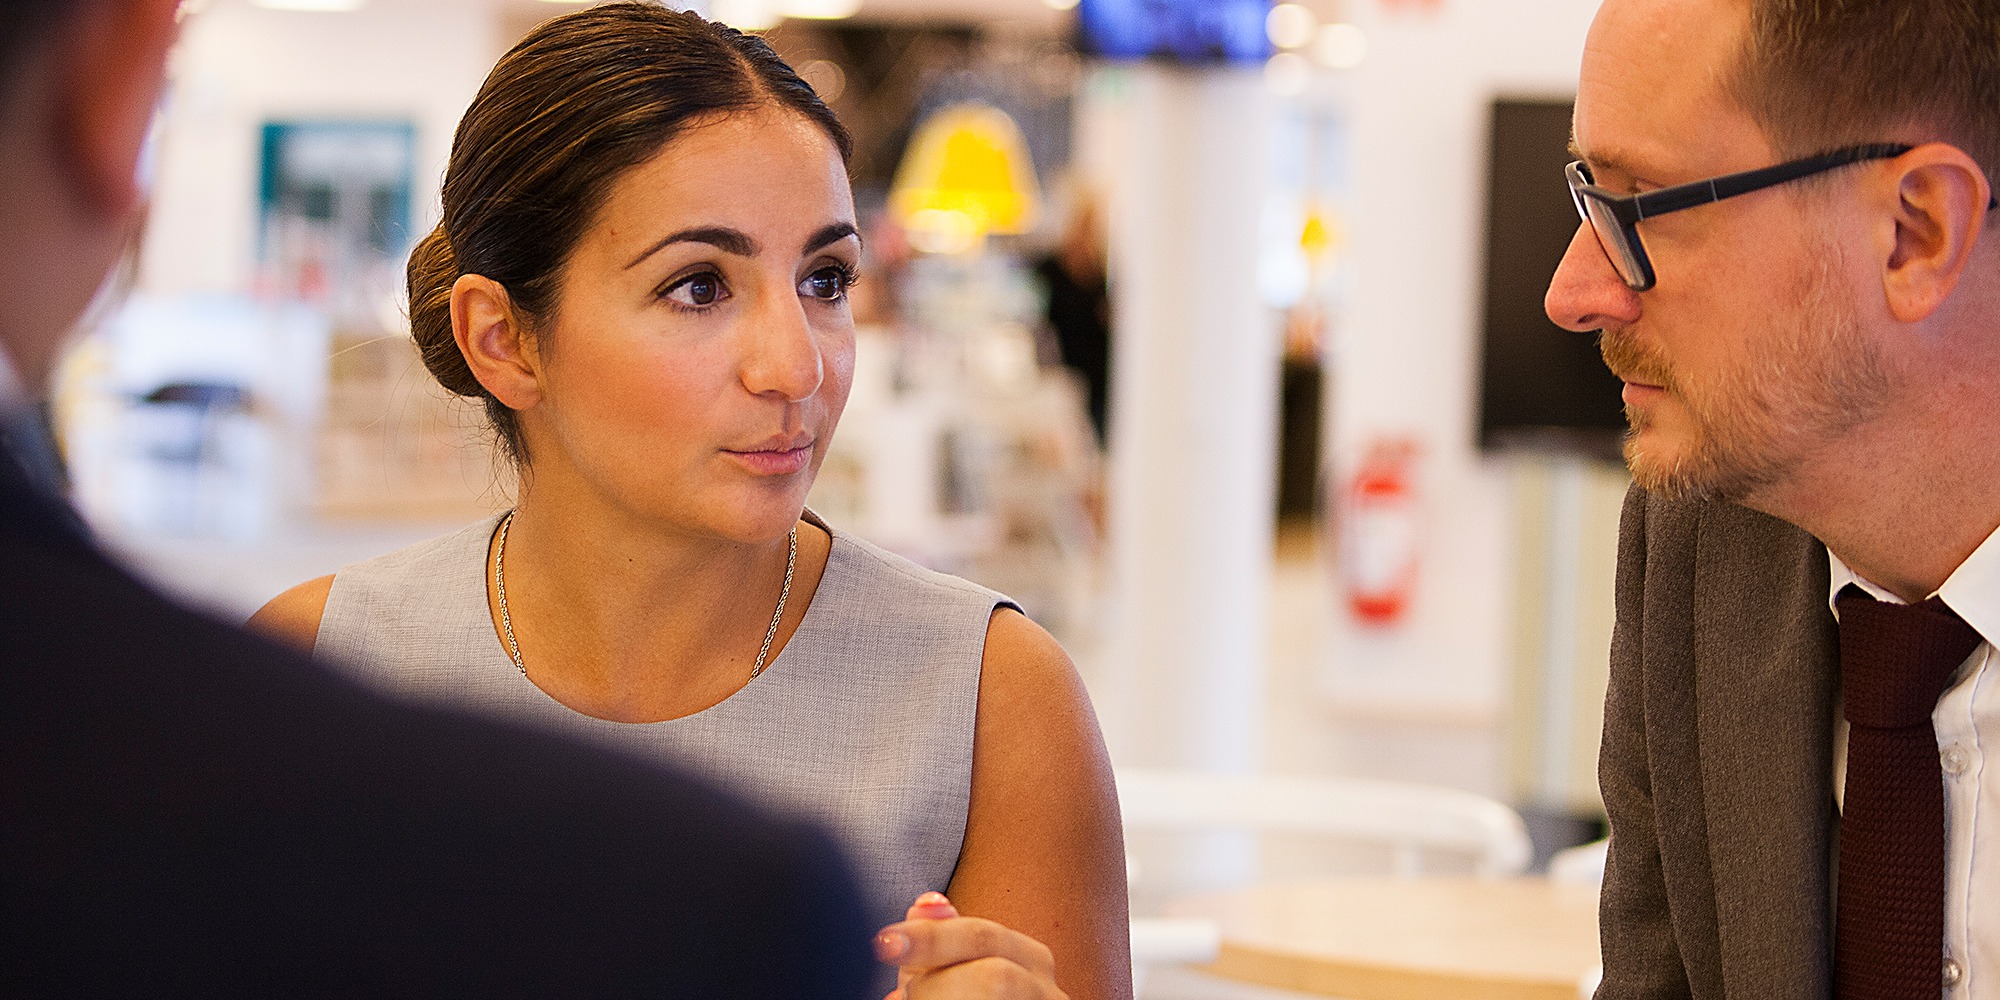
{"x":1541,"y":387}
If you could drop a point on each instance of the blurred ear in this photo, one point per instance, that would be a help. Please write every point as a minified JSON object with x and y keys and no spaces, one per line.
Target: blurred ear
{"x":497,"y":346}
{"x":1941,"y":209}
{"x":110,"y":64}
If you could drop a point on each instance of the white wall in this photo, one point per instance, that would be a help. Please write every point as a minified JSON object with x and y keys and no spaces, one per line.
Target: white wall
{"x":1425,"y":700}
{"x":1430,"y":699}
{"x":238,"y":66}
{"x":1194,"y":417}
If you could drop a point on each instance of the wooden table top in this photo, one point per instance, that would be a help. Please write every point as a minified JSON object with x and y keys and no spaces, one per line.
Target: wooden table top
{"x":1408,"y":939}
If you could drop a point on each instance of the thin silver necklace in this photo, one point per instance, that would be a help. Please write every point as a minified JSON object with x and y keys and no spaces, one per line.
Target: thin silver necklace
{"x":507,"y":620}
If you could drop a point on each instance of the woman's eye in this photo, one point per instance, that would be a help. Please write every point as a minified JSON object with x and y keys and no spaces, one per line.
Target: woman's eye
{"x":828,"y":284}
{"x":704,"y":289}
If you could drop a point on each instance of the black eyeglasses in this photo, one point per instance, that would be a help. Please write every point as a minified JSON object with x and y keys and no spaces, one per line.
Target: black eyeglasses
{"x":1615,"y":218}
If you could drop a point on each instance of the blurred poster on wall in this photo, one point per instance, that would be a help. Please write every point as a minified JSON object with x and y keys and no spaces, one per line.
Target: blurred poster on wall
{"x":335,"y":232}
{"x":334,"y":214}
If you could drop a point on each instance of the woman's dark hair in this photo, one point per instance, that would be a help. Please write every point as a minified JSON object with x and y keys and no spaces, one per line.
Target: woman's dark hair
{"x":582,"y":99}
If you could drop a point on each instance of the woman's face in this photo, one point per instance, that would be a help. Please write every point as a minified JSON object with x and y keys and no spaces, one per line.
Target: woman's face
{"x":702,"y":348}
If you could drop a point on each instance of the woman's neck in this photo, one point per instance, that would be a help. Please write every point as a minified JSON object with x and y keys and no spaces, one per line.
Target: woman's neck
{"x":624,"y":618}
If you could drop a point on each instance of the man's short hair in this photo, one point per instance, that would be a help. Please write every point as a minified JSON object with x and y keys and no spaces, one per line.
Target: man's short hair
{"x":1819,"y":74}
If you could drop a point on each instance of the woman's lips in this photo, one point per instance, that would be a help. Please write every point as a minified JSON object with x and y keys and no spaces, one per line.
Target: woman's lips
{"x":774,"y":461}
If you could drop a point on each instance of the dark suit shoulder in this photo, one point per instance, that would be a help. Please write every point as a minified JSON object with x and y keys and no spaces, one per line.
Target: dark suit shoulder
{"x":1670,"y":526}
{"x":190,"y":809}
{"x":1715,"y":761}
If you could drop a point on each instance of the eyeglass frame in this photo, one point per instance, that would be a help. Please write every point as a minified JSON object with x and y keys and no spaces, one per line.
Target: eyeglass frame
{"x":1629,"y":210}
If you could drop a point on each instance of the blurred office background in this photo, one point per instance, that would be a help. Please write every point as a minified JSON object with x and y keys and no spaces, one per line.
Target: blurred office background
{"x":1209,"y":330}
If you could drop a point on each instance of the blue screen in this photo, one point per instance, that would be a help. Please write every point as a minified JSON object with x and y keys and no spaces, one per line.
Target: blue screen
{"x":1183,"y":30}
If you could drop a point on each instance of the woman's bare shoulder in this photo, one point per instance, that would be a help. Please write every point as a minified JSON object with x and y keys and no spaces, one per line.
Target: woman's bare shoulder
{"x":293,"y":616}
{"x":1023,"y":653}
{"x":1031,"y":700}
{"x":1043,"y":852}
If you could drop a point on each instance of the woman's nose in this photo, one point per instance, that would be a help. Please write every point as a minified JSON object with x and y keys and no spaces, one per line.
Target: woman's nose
{"x":782,"y":357}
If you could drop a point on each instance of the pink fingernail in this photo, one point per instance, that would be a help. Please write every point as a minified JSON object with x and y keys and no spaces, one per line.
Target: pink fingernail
{"x":891,"y":945}
{"x":933,"y":899}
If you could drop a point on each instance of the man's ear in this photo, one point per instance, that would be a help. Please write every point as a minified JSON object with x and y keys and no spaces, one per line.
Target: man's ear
{"x":111,"y":59}
{"x":495,"y":341}
{"x":1942,"y":199}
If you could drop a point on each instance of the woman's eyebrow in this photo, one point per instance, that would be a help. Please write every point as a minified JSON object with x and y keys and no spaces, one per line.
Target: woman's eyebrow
{"x":829,"y":235}
{"x":733,"y":241}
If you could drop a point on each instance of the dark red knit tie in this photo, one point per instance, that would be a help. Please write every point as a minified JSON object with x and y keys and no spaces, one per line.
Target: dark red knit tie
{"x":1895,"y":660}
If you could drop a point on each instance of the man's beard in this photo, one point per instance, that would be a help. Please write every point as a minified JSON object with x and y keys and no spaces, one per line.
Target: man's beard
{"x":1816,"y":376}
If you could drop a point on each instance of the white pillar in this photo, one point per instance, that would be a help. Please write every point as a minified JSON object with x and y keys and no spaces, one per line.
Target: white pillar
{"x":1194,"y":391}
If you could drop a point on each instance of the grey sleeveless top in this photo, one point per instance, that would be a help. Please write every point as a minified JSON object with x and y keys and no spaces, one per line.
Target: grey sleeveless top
{"x":862,"y":722}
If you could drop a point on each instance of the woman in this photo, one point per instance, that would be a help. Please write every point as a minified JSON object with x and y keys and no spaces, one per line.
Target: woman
{"x":642,"y":270}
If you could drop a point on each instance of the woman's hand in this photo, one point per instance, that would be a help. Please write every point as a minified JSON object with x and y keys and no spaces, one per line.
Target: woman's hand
{"x":940,"y":955}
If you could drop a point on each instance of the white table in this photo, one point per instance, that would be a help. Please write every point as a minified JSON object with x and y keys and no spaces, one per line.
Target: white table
{"x":1408,"y":939}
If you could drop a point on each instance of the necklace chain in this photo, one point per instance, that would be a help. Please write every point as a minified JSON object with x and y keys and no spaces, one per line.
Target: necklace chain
{"x":507,"y":620}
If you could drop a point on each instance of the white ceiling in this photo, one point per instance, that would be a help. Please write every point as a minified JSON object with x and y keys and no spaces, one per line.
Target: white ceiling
{"x":1034,"y":12}
{"x":961,"y":10}
{"x":1034,"y":15}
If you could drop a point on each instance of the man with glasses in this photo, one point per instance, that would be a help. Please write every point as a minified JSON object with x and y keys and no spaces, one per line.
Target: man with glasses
{"x":1784,"y":249}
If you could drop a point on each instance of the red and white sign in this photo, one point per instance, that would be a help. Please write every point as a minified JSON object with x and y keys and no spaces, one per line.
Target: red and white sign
{"x":1382,"y":540}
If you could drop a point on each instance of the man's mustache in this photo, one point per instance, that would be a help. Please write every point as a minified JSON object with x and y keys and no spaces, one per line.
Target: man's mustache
{"x":1632,"y":361}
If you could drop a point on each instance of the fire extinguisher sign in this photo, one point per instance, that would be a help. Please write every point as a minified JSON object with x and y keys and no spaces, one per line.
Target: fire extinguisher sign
{"x":1382,"y":536}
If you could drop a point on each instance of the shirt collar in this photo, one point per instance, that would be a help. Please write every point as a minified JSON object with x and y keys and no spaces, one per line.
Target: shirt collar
{"x":1972,"y":590}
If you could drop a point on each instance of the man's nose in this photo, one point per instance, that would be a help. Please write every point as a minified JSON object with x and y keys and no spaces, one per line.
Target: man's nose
{"x":1586,"y":294}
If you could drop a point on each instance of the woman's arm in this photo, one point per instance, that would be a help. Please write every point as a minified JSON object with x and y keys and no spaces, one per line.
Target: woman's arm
{"x":1044,"y":854}
{"x":293,"y":616}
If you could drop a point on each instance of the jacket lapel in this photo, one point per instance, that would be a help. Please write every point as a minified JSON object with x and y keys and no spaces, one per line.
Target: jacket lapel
{"x":29,"y":513}
{"x":1765,"y":670}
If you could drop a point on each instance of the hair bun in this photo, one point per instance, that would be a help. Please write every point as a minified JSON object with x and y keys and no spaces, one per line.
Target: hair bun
{"x":433,"y":270}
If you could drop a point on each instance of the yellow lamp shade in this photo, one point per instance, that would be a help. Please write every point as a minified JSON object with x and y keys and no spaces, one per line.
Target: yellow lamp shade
{"x":966,"y":174}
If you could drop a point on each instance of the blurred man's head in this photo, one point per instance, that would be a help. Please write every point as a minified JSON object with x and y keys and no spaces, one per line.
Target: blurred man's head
{"x":1782,"y":321}
{"x":78,"y":83}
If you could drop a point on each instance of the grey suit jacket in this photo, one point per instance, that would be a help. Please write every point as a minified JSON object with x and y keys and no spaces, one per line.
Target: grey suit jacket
{"x":1717,"y":758}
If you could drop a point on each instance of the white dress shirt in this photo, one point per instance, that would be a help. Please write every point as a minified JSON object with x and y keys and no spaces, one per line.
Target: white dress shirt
{"x":1967,"y":721}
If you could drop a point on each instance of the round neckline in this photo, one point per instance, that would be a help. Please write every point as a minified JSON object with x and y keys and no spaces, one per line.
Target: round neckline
{"x":772,"y":673}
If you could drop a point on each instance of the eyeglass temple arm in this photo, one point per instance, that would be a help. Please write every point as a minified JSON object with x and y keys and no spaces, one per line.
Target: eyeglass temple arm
{"x":1674,"y":199}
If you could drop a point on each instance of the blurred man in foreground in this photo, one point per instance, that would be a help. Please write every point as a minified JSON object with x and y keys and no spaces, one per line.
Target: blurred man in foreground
{"x":1811,"y":357}
{"x":185,"y":810}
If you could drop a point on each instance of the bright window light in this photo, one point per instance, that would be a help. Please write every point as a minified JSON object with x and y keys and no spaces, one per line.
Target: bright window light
{"x":1340,"y":46}
{"x":745,"y":15}
{"x":1290,"y":26}
{"x":819,"y":10}
{"x":323,"y":6}
{"x":1287,"y":74}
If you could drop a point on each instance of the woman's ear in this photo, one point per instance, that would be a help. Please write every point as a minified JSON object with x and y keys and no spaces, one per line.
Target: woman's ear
{"x":495,"y":341}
